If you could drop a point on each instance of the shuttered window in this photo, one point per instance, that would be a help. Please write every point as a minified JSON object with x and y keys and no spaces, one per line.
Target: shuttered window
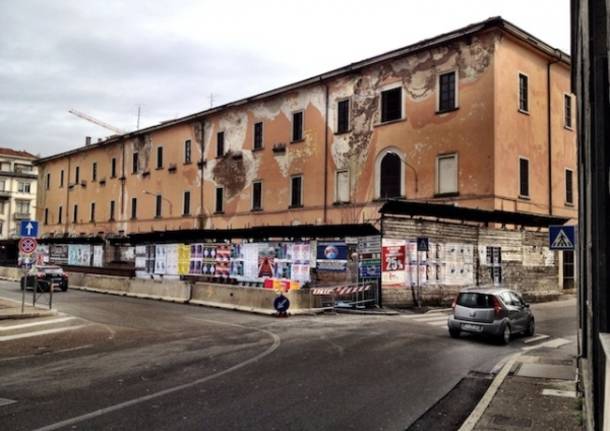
{"x":343,"y":186}
{"x":447,"y":173}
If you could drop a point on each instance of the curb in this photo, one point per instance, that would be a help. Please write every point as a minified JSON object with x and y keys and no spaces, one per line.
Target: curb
{"x":480,"y":408}
{"x":28,"y":315}
{"x":365,"y":312}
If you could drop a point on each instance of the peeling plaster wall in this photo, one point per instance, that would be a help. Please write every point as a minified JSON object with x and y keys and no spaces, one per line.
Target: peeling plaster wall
{"x":470,"y":131}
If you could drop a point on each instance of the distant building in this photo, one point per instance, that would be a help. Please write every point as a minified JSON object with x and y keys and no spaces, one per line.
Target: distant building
{"x":18,"y":185}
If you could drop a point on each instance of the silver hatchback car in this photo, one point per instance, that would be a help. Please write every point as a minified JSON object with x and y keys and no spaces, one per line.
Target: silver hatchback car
{"x":491,"y":311}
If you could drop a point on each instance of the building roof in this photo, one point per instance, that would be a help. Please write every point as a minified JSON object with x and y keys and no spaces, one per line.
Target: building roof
{"x":9,"y":152}
{"x":452,"y":212}
{"x":469,"y":30}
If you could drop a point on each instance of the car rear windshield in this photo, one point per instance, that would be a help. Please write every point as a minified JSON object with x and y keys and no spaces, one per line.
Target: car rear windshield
{"x":475,"y":300}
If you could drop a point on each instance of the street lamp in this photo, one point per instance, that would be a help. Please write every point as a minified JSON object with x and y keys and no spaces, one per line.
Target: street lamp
{"x":146,"y":192}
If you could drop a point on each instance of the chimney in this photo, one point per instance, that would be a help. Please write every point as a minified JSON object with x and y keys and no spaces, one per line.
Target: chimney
{"x":87,"y":140}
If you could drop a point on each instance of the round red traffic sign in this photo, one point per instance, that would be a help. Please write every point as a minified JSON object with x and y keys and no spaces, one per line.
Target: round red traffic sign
{"x":27,"y":245}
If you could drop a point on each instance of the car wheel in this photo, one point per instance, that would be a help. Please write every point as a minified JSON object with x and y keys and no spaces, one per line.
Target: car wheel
{"x":64,"y":286}
{"x":454,"y":332}
{"x":505,"y":337}
{"x":531,"y":328}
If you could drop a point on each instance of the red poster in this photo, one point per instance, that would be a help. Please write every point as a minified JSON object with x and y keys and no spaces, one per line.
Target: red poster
{"x":393,"y":258}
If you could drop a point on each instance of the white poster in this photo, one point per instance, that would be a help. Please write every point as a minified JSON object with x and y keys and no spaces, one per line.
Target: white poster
{"x":160,"y":259}
{"x":250,"y":252}
{"x":98,"y":256}
{"x":171,"y":259}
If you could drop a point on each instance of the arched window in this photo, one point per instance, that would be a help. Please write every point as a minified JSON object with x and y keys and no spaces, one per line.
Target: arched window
{"x":389,"y":174}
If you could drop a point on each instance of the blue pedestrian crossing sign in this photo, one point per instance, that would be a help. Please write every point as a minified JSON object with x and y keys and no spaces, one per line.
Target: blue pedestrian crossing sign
{"x":28,"y":229}
{"x":562,"y":237}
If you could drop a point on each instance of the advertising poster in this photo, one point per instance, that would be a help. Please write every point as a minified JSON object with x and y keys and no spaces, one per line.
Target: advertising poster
{"x":98,"y":256}
{"x":150,"y":259}
{"x":140,"y":261}
{"x":79,"y":255}
{"x":196,"y":259}
{"x":266,"y":261}
{"x":160,"y":259}
{"x":331,"y":256}
{"x":250,"y":262}
{"x":58,"y":253}
{"x":223,"y":261}
{"x":184,"y":259}
{"x":171,"y":259}
{"x":393,"y":261}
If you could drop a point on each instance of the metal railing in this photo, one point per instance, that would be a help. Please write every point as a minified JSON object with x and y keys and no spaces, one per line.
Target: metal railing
{"x":353,"y":295}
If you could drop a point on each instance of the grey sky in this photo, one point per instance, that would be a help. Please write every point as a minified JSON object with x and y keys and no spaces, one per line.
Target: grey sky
{"x":105,"y":58}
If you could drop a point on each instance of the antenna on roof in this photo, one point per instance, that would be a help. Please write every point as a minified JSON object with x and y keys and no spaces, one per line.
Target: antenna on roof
{"x":139,"y":112}
{"x":212,"y":100}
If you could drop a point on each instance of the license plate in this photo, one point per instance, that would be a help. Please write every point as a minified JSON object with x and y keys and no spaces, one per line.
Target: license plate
{"x":470,"y":327}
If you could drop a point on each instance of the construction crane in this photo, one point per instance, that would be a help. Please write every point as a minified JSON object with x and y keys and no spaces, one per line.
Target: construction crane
{"x":96,"y":121}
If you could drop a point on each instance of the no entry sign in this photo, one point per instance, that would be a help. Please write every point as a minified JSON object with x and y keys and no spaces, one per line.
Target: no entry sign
{"x":27,"y":245}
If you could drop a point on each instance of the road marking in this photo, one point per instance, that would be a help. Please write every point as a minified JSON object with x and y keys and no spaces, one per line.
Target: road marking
{"x":553,"y":344}
{"x":432,"y":319}
{"x":480,"y":408}
{"x":38,"y":333}
{"x":6,"y":402}
{"x":44,"y":322}
{"x":536,"y":338}
{"x":558,"y":393}
{"x":113,"y":408}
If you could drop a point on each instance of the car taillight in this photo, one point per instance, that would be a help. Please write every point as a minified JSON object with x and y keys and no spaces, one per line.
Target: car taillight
{"x":497,"y":307}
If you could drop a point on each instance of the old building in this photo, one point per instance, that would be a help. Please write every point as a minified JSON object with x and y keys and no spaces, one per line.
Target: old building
{"x":18,"y":179}
{"x":481,"y":117}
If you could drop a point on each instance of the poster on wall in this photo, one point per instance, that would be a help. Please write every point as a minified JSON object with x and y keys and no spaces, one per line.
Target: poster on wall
{"x":250,"y":263}
{"x":223,"y":261}
{"x":331,"y":256}
{"x":393,"y":254}
{"x":58,"y":253}
{"x":79,"y":255}
{"x":266,"y":261}
{"x":171,"y":259}
{"x":184,"y":258}
{"x":160,"y":259}
{"x":196,"y":259}
{"x":140,"y":261}
{"x":98,"y":256}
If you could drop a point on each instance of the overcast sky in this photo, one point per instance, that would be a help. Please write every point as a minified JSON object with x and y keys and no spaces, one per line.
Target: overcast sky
{"x":107,"y":57}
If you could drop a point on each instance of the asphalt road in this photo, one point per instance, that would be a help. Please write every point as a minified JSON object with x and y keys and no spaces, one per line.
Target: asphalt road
{"x":110,"y":362}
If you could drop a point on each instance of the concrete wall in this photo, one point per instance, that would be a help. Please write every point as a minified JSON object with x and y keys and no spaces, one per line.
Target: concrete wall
{"x":527,"y":265}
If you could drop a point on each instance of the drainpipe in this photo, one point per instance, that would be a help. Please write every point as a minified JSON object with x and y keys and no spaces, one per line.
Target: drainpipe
{"x":549,"y":132}
{"x":201,"y":160}
{"x":67,"y":185}
{"x":325,"y":153}
{"x":123,"y":181}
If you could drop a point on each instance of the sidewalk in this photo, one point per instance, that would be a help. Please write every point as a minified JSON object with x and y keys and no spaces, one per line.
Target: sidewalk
{"x":535,"y":389}
{"x":12,"y":310}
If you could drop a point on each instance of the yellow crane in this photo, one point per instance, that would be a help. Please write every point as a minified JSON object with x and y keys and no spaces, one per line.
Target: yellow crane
{"x":96,"y":121}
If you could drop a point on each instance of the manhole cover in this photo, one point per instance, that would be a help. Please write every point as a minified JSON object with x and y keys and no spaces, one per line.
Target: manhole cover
{"x":512,"y":422}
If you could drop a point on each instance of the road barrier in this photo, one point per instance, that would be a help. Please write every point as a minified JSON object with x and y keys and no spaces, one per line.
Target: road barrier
{"x":357,"y":295}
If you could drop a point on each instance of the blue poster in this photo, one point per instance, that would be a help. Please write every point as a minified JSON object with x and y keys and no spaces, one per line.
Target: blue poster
{"x":331,"y":256}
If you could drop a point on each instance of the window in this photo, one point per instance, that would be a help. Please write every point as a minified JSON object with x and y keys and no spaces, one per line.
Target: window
{"x":61,"y":178}
{"x":92,"y":211}
{"x":46,"y":216}
{"x":2,"y":207}
{"x":113,"y":168}
{"x":186,"y":208}
{"x":112,"y":205}
{"x":391,"y":104}
{"x":257,"y":195}
{"x":343,"y":116}
{"x":523,"y":95}
{"x":48,"y":181}
{"x":187,"y":151}
{"x":158,"y":206}
{"x":524,"y":178}
{"x":5,"y":166}
{"x":447,"y":174}
{"x":22,"y":207}
{"x":75,"y":214}
{"x":569,"y":189}
{"x":159,"y":157}
{"x":135,"y":163}
{"x":77,"y":175}
{"x":390,"y":176}
{"x":3,"y":185}
{"x":220,"y":144}
{"x":94,"y":171}
{"x":23,"y":187}
{"x":297,"y":126}
{"x":567,"y":110}
{"x":258,"y":136}
{"x":342,"y":186}
{"x":296,"y":191}
{"x":134,"y":207}
{"x":447,"y":92}
{"x":60,"y":214}
{"x":219,"y":199}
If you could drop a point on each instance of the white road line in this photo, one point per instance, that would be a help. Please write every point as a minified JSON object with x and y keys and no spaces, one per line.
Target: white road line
{"x":558,"y":393}
{"x":432,"y":319}
{"x":43,"y":322}
{"x":536,"y":338}
{"x":553,"y":344}
{"x":115,"y":407}
{"x":38,"y":333}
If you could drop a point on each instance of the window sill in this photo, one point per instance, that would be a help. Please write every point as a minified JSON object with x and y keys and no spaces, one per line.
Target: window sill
{"x":569,"y":204}
{"x":186,"y":214}
{"x":343,"y":132}
{"x":159,"y":168}
{"x":297,"y":141}
{"x":187,"y":163}
{"x":257,"y":149}
{"x":384,"y":123}
{"x":378,"y":199}
{"x":219,"y":212}
{"x":525,"y":198}
{"x":521,"y":111}
{"x":256,"y":210}
{"x":446,"y":195}
{"x":292,"y":207}
{"x":447,"y":111}
{"x":568,"y":128}
{"x":158,"y":217}
{"x":341,"y":203}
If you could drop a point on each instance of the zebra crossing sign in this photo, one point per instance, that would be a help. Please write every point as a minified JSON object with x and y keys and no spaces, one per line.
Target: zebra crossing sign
{"x":562,"y":237}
